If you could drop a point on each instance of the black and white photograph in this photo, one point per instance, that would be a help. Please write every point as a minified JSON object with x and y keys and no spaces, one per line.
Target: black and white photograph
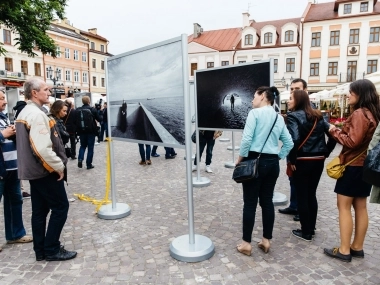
{"x":224,"y":95}
{"x":145,"y":95}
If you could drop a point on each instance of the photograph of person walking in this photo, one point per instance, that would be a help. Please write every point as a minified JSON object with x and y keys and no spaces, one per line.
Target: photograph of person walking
{"x":262,"y":132}
{"x":351,"y":190}
{"x":308,"y":129}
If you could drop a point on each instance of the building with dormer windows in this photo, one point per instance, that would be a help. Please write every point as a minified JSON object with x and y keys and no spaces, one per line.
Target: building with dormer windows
{"x":277,"y":39}
{"x":340,"y":42}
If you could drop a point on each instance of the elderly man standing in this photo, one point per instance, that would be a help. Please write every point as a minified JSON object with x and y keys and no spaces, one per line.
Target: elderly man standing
{"x":9,"y":182}
{"x":43,"y":163}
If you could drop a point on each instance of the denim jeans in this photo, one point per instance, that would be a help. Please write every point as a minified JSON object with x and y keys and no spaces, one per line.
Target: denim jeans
{"x":306,"y":180}
{"x":86,"y":140}
{"x":154,"y":149}
{"x":144,"y":154}
{"x":293,"y":195}
{"x":103,"y":128}
{"x":10,"y":189}
{"x":48,"y":194}
{"x":261,"y":188}
{"x":210,"y":146}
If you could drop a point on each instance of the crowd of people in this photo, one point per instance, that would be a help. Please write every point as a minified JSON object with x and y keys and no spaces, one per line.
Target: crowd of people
{"x":42,"y":136}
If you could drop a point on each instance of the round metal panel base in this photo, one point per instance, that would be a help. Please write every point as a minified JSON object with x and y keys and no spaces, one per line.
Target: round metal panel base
{"x":279,"y":199}
{"x":224,"y":139}
{"x":201,"y":250}
{"x":230,"y":147}
{"x":122,"y":210}
{"x":229,"y":164}
{"x":202,"y":182}
{"x":192,"y":157}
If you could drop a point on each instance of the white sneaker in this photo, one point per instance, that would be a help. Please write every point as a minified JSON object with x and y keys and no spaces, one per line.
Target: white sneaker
{"x":96,"y":143}
{"x":194,"y":168}
{"x":208,"y":169}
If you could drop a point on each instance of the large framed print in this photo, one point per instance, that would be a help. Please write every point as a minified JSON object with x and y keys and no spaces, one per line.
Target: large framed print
{"x":224,"y":94}
{"x":145,"y":94}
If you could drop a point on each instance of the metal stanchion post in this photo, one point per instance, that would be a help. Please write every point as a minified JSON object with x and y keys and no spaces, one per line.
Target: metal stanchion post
{"x":233,"y":147}
{"x":231,"y":164}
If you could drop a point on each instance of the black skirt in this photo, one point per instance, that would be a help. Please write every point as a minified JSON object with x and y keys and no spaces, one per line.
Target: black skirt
{"x":351,"y":183}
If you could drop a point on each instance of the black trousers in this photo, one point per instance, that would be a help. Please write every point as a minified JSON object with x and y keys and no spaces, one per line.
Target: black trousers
{"x":73,"y":144}
{"x":306,"y":179}
{"x":261,"y":188}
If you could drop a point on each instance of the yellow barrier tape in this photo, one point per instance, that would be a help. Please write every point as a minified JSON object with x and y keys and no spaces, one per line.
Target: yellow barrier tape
{"x":105,"y":200}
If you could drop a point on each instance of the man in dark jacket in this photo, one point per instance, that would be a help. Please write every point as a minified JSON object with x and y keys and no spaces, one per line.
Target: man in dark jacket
{"x":87,"y":137}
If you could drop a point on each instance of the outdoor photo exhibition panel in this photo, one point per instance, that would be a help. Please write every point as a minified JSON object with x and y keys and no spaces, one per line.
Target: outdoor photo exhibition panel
{"x":224,"y":94}
{"x":145,"y":95}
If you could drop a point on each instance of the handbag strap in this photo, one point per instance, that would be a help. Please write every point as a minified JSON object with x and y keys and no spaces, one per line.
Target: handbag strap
{"x":268,"y":135}
{"x":308,"y":136}
{"x":352,"y":160}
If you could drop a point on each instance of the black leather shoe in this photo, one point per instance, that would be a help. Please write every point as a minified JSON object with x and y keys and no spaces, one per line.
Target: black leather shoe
{"x":357,"y":253}
{"x":62,"y":254}
{"x":40,"y":257}
{"x":90,"y":166}
{"x":73,"y":157}
{"x":169,"y":157}
{"x":334,"y":252}
{"x":296,"y":218}
{"x":288,"y":211}
{"x":298,"y":233}
{"x":80,"y":165}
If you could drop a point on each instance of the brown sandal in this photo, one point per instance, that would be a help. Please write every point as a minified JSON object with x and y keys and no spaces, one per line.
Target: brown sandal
{"x":24,"y":239}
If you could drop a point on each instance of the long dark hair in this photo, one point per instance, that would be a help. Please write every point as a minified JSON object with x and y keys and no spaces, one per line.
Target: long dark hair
{"x":368,"y":97}
{"x":270,"y":93}
{"x":57,"y":107}
{"x":302,"y":102}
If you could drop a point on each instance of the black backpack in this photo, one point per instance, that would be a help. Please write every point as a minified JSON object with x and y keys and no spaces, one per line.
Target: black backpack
{"x":84,"y":121}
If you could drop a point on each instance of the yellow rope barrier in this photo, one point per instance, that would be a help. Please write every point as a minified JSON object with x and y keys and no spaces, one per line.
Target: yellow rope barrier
{"x":105,"y":200}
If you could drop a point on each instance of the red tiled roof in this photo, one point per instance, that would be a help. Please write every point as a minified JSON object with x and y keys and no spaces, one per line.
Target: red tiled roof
{"x":88,"y":34}
{"x":325,"y":11}
{"x":226,"y":39}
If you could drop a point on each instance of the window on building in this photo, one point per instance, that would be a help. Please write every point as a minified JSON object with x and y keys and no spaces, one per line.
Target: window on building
{"x":242,"y":61}
{"x":351,"y":70}
{"x":68,"y":75}
{"x":289,"y":35}
{"x":268,"y":37}
{"x":194,"y":66}
{"x":316,"y":39}
{"x":76,"y":55}
{"x":7,"y":37}
{"x":103,"y":83}
{"x":93,"y":63}
{"x":84,"y":56}
{"x":374,"y":34}
{"x":59,"y":74}
{"x":94,"y":81}
{"x":314,"y":69}
{"x":225,"y":63}
{"x":37,"y":69}
{"x":8,"y":64}
{"x":354,"y":36}
{"x":334,"y":38}
{"x":58,"y":51}
{"x":372,"y":66}
{"x":275,"y":61}
{"x":347,"y":8}
{"x":102,"y":48}
{"x":364,"y":7}
{"x":290,"y":64}
{"x":102,"y":64}
{"x":76,"y":76}
{"x":84,"y":77}
{"x":67,"y":53}
{"x":248,"y":40}
{"x":333,"y":68}
{"x":24,"y":67}
{"x":210,"y":64}
{"x":92,"y":45}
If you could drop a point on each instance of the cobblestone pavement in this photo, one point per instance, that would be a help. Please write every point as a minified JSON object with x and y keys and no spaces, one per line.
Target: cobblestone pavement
{"x":135,"y":250}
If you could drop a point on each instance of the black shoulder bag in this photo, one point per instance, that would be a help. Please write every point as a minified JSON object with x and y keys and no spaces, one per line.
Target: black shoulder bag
{"x":371,"y":167}
{"x":248,"y":169}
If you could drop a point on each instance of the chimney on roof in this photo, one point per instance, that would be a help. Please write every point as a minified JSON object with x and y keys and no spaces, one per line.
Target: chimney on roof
{"x":66,"y":21}
{"x":93,"y":30}
{"x":197,"y":30}
{"x":246,"y":19}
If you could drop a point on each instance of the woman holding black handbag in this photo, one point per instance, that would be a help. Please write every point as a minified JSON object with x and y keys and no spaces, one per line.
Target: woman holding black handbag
{"x":262,"y":131}
{"x":308,"y":129}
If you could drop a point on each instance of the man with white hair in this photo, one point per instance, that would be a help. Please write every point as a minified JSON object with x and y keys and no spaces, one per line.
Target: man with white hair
{"x":43,"y":164}
{"x":9,"y":182}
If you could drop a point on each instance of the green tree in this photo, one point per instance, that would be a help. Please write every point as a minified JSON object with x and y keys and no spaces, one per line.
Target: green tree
{"x":30,"y":19}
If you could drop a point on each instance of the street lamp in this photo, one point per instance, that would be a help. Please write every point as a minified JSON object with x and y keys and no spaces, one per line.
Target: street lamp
{"x":50,"y":74}
{"x":283,"y":81}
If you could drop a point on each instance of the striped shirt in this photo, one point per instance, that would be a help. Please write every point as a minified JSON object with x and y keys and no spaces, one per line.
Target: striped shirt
{"x":8,"y":147}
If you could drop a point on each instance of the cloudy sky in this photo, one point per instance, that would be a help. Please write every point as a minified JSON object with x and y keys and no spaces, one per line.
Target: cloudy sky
{"x":129,"y":25}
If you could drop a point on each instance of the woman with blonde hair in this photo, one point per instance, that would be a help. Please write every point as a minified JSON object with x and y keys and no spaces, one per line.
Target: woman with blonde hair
{"x":351,"y":190}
